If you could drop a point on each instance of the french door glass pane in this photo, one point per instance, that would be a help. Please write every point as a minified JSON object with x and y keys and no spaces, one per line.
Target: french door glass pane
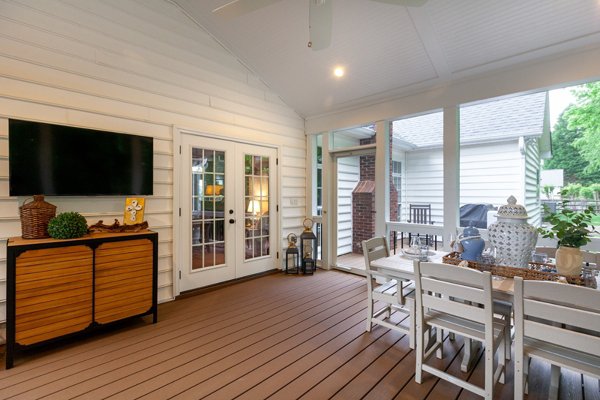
{"x":256,"y":196}
{"x":208,"y":199}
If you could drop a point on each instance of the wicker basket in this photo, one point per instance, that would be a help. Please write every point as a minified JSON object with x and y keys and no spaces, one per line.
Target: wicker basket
{"x":510,"y":272}
{"x":35,"y":217}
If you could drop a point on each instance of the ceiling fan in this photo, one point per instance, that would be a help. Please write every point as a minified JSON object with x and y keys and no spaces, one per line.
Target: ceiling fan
{"x":319,"y":16}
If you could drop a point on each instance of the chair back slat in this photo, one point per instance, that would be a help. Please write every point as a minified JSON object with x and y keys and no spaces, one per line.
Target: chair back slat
{"x":559,"y":313}
{"x":374,"y":249}
{"x":457,"y":291}
{"x":453,"y":307}
{"x":420,"y":213}
{"x":452,"y":273}
{"x":569,"y":295}
{"x":565,"y":337}
{"x":450,"y":290}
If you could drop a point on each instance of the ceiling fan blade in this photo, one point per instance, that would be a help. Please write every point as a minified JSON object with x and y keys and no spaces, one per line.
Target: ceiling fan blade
{"x":236,"y":8}
{"x":319,"y":24}
{"x":407,"y":3}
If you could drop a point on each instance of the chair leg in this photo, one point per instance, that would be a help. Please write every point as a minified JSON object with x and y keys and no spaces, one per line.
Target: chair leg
{"x":502,"y":358}
{"x":439,"y":338}
{"x":411,"y":323}
{"x":489,"y":372}
{"x":470,"y":350}
{"x":526,"y":363}
{"x":369,"y":315}
{"x":519,"y":373}
{"x":419,"y":353}
{"x":554,"y":382}
{"x":507,"y":340}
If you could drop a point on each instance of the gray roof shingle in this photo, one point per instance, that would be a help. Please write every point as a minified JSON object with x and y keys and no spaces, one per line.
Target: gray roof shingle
{"x":491,"y":121}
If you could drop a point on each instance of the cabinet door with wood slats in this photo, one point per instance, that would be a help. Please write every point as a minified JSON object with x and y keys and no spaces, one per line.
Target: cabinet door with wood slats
{"x":123,"y":279}
{"x":53,"y":292}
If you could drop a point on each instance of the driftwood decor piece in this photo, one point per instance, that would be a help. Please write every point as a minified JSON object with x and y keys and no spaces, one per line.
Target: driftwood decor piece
{"x":117,"y":227}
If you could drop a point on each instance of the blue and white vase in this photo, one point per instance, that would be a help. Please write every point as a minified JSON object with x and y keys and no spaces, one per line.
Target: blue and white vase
{"x":512,"y":236}
{"x":472,"y":244}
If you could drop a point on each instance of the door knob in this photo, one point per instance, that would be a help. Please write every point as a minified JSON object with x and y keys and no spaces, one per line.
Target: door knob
{"x":232,"y":221}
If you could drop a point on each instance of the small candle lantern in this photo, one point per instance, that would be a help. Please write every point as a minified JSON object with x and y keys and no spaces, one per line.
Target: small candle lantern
{"x":308,"y":247}
{"x":292,"y":255}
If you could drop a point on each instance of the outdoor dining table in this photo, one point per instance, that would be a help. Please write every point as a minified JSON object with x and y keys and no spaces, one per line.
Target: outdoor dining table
{"x":402,"y":267}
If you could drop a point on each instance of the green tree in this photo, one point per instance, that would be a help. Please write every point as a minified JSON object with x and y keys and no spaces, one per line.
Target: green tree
{"x":548,"y":189}
{"x":587,"y":193}
{"x":571,"y":191}
{"x":585,"y":117}
{"x":567,"y":157}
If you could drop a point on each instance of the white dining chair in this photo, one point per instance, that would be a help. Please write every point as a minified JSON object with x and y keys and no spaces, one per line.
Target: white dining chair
{"x":395,"y":294}
{"x":459,"y":300}
{"x":558,"y":323}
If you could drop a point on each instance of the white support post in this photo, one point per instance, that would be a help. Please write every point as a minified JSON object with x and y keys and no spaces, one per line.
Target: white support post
{"x":451,"y":172}
{"x":382,"y":173}
{"x":326,"y":227}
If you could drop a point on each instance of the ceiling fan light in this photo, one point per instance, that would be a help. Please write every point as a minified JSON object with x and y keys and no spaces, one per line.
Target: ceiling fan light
{"x":339,"y":71}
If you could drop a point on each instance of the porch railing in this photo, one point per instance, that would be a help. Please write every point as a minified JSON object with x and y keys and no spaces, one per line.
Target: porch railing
{"x":394,"y":228}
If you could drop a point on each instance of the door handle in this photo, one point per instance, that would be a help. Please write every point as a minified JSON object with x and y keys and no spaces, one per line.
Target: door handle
{"x":232,"y":221}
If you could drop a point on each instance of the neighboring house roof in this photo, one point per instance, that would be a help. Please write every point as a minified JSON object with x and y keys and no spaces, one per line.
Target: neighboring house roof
{"x":503,"y":119}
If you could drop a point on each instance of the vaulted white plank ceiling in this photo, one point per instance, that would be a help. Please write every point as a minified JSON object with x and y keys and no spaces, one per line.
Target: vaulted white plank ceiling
{"x":390,"y":50}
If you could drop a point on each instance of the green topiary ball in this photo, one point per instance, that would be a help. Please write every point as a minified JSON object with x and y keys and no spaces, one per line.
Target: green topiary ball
{"x":68,"y":225}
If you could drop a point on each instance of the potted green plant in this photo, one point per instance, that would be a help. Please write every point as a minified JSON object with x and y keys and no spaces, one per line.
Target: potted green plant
{"x":572,"y":229}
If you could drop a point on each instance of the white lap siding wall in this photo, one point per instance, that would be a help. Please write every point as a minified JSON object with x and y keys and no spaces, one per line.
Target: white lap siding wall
{"x":136,"y":67}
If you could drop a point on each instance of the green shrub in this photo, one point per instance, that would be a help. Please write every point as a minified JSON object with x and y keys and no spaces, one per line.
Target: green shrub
{"x":548,"y":189}
{"x":586,"y":192}
{"x":571,"y":190}
{"x":68,"y":225}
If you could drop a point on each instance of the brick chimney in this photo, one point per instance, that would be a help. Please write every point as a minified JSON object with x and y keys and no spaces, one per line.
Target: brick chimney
{"x":363,"y":200}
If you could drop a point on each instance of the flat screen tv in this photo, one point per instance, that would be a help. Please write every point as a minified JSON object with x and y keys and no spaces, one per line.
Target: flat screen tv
{"x":57,"y":160}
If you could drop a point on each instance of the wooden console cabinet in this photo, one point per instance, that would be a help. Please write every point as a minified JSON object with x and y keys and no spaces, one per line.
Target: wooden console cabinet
{"x":62,"y":287}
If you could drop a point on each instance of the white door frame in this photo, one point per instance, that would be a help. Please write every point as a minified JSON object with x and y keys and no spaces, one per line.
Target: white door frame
{"x":333,"y":179}
{"x":177,"y":199}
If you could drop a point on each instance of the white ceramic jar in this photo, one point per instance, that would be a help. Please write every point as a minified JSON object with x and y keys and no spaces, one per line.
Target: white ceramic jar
{"x":513,"y":238}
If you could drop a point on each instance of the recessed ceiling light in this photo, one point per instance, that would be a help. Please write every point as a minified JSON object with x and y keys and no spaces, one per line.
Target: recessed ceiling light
{"x":339,"y":72}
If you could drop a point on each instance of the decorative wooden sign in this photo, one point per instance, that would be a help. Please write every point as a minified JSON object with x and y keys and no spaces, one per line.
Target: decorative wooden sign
{"x":134,"y":211}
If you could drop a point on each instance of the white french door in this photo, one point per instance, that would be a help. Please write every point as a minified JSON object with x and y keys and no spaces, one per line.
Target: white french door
{"x":228,"y":210}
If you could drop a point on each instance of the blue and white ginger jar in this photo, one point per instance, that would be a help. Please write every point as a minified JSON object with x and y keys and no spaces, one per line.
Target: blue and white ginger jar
{"x":512,"y":236}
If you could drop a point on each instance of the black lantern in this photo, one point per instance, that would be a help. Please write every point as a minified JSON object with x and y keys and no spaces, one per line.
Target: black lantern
{"x":308,"y":247}
{"x":292,"y":255}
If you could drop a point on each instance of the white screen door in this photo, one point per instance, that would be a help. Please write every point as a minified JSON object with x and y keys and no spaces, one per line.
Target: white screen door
{"x":228,"y":210}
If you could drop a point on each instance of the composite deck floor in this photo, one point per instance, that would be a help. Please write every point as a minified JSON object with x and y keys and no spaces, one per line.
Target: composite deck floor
{"x":278,"y":337}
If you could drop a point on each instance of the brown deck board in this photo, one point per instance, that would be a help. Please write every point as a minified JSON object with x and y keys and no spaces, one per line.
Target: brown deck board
{"x":175,"y":352}
{"x":278,"y":336}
